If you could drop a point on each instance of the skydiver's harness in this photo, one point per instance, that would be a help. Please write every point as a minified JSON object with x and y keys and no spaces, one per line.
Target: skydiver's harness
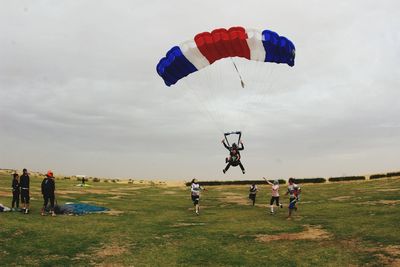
{"x":234,"y":153}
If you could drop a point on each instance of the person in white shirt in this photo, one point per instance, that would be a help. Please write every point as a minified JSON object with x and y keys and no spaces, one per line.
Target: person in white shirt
{"x":274,"y":194}
{"x":195,"y":194}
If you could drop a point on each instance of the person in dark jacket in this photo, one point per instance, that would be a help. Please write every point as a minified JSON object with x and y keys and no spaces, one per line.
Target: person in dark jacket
{"x":253,"y":193}
{"x":48,"y":188}
{"x":234,"y":156}
{"x":24,"y":184}
{"x":15,"y":191}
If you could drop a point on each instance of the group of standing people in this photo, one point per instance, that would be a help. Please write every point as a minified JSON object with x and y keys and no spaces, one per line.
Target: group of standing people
{"x":20,"y":190}
{"x":293,"y":191}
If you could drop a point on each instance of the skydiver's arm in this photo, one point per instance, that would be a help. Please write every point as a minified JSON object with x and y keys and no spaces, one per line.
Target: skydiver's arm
{"x":223,"y":142}
{"x":241,"y":148}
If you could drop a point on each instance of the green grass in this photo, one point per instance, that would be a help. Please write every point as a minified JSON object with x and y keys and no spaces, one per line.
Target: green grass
{"x":156,"y":226}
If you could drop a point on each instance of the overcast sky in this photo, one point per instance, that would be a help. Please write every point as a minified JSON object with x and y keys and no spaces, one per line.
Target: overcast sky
{"x":79,"y":93}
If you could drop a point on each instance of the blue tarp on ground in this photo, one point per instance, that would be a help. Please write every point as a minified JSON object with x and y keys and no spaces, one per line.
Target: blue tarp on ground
{"x":79,"y":209}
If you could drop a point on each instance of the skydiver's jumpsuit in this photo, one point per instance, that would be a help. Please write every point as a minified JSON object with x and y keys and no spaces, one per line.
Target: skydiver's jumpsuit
{"x":234,"y":159}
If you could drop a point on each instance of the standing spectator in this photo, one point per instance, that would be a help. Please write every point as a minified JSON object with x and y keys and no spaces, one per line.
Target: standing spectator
{"x":24,"y":184}
{"x":16,"y":192}
{"x":48,"y":188}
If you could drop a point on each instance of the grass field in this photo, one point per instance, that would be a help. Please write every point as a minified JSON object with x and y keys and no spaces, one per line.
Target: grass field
{"x":337,"y":224}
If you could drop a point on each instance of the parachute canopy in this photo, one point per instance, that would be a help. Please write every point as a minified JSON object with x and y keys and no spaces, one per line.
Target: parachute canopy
{"x":208,"y":47}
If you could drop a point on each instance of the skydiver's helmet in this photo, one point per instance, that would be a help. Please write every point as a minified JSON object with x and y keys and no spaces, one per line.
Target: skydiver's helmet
{"x":276,"y":182}
{"x":234,"y":145}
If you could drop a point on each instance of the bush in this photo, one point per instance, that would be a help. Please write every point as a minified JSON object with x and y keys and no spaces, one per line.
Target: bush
{"x":377,"y":176}
{"x":309,"y":180}
{"x":96,"y":179}
{"x":346,"y":178}
{"x":393,"y":174}
{"x":67,"y":178}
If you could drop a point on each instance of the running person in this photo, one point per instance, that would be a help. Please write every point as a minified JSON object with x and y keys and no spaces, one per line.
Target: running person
{"x":24,"y":184}
{"x":294,"y":191}
{"x":253,"y":193}
{"x":274,"y":195}
{"x":234,"y":156}
{"x":15,"y":191}
{"x":48,"y":188}
{"x":195,"y":194}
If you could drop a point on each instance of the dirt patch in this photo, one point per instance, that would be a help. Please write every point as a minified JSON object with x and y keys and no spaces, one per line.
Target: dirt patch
{"x":110,"y":250}
{"x":5,"y":194}
{"x":310,"y":233}
{"x":114,"y":212}
{"x":233,"y":198}
{"x":341,"y":198}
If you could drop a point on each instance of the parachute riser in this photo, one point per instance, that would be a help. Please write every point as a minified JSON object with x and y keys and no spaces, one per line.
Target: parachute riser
{"x":229,"y":133}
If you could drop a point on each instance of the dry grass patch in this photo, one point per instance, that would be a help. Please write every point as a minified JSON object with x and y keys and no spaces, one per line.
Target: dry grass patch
{"x":341,"y":198}
{"x":110,"y":250}
{"x":388,"y":190}
{"x":381,"y":202}
{"x":114,"y":212}
{"x":310,"y":233}
{"x":233,"y":198}
{"x":5,"y":194}
{"x":169,"y":193}
{"x":183,"y":224}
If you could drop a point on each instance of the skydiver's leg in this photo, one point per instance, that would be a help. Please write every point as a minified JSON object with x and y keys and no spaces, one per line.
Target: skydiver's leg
{"x":241,"y":166}
{"x":227,"y":167}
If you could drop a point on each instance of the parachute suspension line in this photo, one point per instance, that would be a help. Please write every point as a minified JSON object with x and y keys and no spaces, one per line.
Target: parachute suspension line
{"x":202,"y":107}
{"x":237,"y":70}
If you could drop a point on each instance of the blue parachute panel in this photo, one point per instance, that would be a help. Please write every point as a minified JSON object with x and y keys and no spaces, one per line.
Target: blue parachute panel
{"x":278,"y":49}
{"x":174,"y":66}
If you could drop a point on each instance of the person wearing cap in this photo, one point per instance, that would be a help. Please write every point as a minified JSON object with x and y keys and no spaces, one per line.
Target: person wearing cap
{"x":274,"y":195}
{"x":24,"y":184}
{"x":15,"y":191}
{"x":48,"y":188}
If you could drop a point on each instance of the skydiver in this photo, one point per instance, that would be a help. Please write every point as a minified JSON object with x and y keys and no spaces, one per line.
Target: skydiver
{"x":234,"y":156}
